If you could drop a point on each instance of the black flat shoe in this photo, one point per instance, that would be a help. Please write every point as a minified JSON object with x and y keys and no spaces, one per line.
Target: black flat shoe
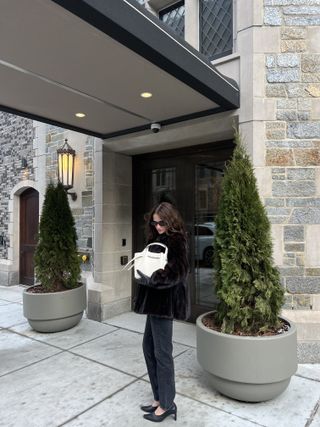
{"x":148,"y":408}
{"x":158,"y":418}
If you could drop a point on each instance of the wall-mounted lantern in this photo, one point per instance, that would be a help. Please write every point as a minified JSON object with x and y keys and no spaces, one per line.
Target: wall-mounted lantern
{"x":24,"y":163}
{"x":66,"y":156}
{"x":25,"y":170}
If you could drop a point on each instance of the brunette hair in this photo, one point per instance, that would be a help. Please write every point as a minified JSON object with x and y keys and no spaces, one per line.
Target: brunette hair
{"x":170,"y":215}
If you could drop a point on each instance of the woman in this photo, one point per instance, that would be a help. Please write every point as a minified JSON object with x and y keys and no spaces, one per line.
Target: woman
{"x":163,"y":297}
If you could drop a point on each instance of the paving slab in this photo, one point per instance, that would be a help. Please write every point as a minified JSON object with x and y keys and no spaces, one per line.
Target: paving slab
{"x":17,"y":351}
{"x":190,"y":413}
{"x":183,"y":332}
{"x":121,"y":349}
{"x":68,"y":389}
{"x":295,"y":404}
{"x":130,"y":320}
{"x":311,"y":371}
{"x":11,"y":315}
{"x":55,"y":390}
{"x":85,"y":331}
{"x":11,"y":293}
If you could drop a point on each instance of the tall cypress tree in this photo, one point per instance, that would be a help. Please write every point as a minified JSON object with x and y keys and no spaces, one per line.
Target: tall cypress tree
{"x":247,"y":283}
{"x":57,"y":264}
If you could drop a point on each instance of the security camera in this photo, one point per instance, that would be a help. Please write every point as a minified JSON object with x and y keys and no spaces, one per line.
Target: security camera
{"x":155,"y":127}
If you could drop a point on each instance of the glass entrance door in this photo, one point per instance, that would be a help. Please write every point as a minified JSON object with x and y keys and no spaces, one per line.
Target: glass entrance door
{"x":208,"y":179}
{"x":191,"y":178}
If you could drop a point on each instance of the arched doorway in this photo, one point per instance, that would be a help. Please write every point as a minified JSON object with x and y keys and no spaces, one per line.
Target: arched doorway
{"x":29,"y":222}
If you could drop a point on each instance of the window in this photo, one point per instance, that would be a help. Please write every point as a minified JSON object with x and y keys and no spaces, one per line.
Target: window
{"x":173,"y":16}
{"x":163,"y":182}
{"x":215,"y":28}
{"x":201,"y":230}
{"x":203,"y":199}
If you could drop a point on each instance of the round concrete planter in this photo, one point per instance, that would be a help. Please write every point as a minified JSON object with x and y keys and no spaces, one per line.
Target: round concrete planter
{"x":250,"y":369}
{"x":54,"y":312}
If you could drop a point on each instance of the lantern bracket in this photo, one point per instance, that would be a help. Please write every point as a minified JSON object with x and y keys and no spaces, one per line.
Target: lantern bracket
{"x":73,"y":196}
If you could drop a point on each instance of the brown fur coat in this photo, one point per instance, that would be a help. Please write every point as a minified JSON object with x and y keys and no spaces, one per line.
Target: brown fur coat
{"x":166,"y":293}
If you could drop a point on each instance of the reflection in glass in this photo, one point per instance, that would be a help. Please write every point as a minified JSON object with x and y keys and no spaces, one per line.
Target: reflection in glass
{"x":163,"y":184}
{"x":208,"y":187}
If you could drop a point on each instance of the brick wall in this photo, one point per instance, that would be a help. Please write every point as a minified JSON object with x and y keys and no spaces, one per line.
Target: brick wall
{"x":293,"y":144}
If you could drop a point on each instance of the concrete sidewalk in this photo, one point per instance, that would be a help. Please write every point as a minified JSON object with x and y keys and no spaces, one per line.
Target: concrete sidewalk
{"x":94,"y":375}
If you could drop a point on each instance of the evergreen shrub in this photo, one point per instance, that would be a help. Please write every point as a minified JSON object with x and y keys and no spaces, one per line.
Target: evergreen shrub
{"x":247,"y":283}
{"x":57,"y":265}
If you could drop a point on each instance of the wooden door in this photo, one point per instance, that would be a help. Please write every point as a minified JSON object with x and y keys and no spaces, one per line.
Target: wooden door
{"x":29,"y":222}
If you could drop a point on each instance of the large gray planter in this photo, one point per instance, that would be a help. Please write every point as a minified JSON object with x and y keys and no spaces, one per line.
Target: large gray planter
{"x":54,"y":312}
{"x":251,"y":369}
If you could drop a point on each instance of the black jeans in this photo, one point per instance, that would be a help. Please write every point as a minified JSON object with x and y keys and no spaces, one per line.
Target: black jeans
{"x":157,"y":350}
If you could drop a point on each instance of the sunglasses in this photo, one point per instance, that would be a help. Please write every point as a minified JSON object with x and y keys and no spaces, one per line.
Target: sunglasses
{"x":161,"y":223}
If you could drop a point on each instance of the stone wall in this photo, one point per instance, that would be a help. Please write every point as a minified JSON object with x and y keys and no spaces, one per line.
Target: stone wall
{"x":20,"y":139}
{"x":82,"y":209}
{"x":110,"y":293}
{"x":16,"y":143}
{"x":293,"y":145}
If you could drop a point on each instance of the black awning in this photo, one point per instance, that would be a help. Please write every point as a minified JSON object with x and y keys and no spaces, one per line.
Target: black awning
{"x":61,"y":57}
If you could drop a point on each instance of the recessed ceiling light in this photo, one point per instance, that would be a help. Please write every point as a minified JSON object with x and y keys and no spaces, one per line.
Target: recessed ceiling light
{"x":80,"y":115}
{"x":146,"y":94}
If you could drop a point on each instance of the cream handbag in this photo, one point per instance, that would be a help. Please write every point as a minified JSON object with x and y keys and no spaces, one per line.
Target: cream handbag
{"x":148,"y":262}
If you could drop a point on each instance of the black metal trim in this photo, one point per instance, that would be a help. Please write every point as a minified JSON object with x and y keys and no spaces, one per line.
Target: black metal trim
{"x":208,"y":147}
{"x":111,"y":134}
{"x":49,"y":121}
{"x":165,"y":122}
{"x":141,"y":32}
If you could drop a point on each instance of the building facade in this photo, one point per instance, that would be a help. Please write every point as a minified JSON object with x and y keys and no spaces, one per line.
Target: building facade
{"x":270,"y":48}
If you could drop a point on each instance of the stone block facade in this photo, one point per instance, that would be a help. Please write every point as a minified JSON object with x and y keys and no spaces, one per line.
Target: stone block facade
{"x":292,"y":146}
{"x":29,"y":157}
{"x":16,"y":164}
{"x":82,"y":210}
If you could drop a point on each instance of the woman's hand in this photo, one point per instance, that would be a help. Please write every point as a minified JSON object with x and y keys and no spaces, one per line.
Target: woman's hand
{"x":144,"y":279}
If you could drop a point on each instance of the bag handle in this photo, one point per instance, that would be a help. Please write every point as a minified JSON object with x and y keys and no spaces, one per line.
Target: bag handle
{"x":157,"y":244}
{"x":128,"y":266}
